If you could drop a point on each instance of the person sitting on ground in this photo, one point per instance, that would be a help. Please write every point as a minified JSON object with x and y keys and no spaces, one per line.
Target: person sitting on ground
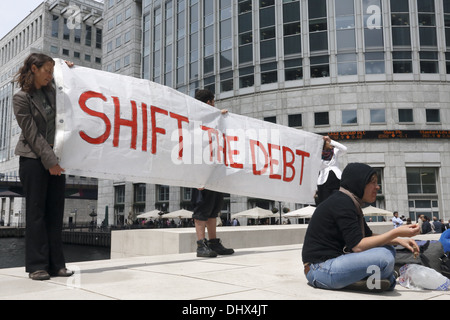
{"x":340,"y":250}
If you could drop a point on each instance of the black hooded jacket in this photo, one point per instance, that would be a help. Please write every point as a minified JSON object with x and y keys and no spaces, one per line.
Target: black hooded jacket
{"x":335,"y":224}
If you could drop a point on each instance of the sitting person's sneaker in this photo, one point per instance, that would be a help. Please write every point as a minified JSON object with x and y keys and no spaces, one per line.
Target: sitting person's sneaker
{"x":384,"y":285}
{"x":216,"y":245}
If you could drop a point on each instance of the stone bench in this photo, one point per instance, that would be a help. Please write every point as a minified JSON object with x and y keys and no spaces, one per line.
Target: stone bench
{"x":149,"y":242}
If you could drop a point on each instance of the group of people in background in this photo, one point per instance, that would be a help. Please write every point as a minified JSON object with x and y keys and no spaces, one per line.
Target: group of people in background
{"x":426,"y":225}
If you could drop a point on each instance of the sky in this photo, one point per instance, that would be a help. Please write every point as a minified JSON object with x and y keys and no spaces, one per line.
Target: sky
{"x":12,"y":12}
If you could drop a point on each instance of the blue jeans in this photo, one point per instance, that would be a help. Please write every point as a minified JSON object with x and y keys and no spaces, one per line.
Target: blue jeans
{"x":337,"y":273}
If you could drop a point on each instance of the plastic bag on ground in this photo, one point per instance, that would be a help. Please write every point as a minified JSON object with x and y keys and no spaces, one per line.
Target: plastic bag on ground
{"x":418,"y":277}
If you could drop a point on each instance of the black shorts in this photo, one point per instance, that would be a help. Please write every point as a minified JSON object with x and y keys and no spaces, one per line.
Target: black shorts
{"x":207,"y":204}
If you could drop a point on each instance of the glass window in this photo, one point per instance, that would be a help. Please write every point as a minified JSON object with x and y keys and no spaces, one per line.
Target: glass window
{"x":447,"y":24}
{"x":292,"y":28}
{"x":399,"y":6}
{"x":318,"y":41}
{"x":401,"y":34}
{"x":429,"y":62}
{"x":210,"y":84}
{"x":119,"y":194}
{"x":139,"y":192}
{"x":295,"y":120}
{"x":268,"y":49}
{"x":401,"y":37}
{"x":98,"y":38}
{"x":377,"y":116}
{"x":321,"y":118}
{"x":293,"y":69}
{"x":246,"y":77}
{"x":55,"y":26}
{"x":245,"y":32}
{"x":349,"y":117}
{"x":347,"y":64}
{"x":405,"y":115}
{"x":447,"y":62}
{"x":269,"y":73}
{"x":226,"y":81}
{"x":320,"y":67}
{"x":427,"y":23}
{"x":208,"y":65}
{"x":66,"y":31}
{"x":162,"y":192}
{"x":373,"y":24}
{"x":345,"y":39}
{"x":402,"y":61}
{"x":272,"y":119}
{"x":317,"y":14}
{"x":345,"y":26}
{"x":425,"y":5}
{"x":374,"y":62}
{"x":226,"y":59}
{"x":267,"y":17}
{"x":245,"y":22}
{"x":421,"y":180}
{"x":267,"y":33}
{"x":244,"y":6}
{"x":317,"y":9}
{"x":433,"y":115}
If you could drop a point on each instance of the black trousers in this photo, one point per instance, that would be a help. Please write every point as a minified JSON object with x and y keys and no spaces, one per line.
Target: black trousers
{"x":207,"y":204}
{"x":332,"y":184}
{"x":44,"y":196}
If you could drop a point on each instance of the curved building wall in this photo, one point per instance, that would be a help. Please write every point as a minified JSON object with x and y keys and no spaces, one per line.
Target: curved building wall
{"x":373,"y":74}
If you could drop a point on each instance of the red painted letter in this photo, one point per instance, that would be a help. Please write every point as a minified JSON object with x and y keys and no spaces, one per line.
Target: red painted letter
{"x":156,"y":129}
{"x":82,"y":102}
{"x":266,"y":157}
{"x":273,"y":161}
{"x":287,"y":164}
{"x":303,"y":154}
{"x":144,"y":127}
{"x":232,"y":153}
{"x":180,"y":119}
{"x":118,"y":121}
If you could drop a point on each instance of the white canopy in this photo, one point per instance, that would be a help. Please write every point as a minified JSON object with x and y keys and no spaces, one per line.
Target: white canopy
{"x":182,"y":214}
{"x":305,"y":212}
{"x":255,"y":213}
{"x":373,"y":211}
{"x":150,"y":214}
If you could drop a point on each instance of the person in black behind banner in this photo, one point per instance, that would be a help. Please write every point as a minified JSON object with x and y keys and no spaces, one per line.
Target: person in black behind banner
{"x":340,"y":250}
{"x":40,"y":173}
{"x":207,"y":205}
{"x":330,"y":173}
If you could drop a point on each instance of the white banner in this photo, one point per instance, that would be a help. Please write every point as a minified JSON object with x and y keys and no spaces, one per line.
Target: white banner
{"x":116,"y":127}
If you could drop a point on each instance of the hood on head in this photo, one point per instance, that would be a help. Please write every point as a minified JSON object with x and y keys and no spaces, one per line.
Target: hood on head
{"x":355,"y":177}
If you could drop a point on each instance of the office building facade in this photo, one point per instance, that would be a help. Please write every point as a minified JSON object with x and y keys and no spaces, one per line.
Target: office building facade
{"x":372,"y":74}
{"x":70,"y":30}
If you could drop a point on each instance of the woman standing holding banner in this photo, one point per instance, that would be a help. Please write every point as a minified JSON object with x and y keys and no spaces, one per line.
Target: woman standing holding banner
{"x":42,"y":177}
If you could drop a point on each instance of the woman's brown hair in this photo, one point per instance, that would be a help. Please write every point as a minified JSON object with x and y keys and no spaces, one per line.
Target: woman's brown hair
{"x":25,"y":77}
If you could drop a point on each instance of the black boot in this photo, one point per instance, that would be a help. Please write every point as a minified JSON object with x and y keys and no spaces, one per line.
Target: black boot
{"x":204,"y":251}
{"x":216,"y":245}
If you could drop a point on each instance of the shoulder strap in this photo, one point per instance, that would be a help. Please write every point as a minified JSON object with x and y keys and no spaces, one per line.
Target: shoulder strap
{"x":358,"y":209}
